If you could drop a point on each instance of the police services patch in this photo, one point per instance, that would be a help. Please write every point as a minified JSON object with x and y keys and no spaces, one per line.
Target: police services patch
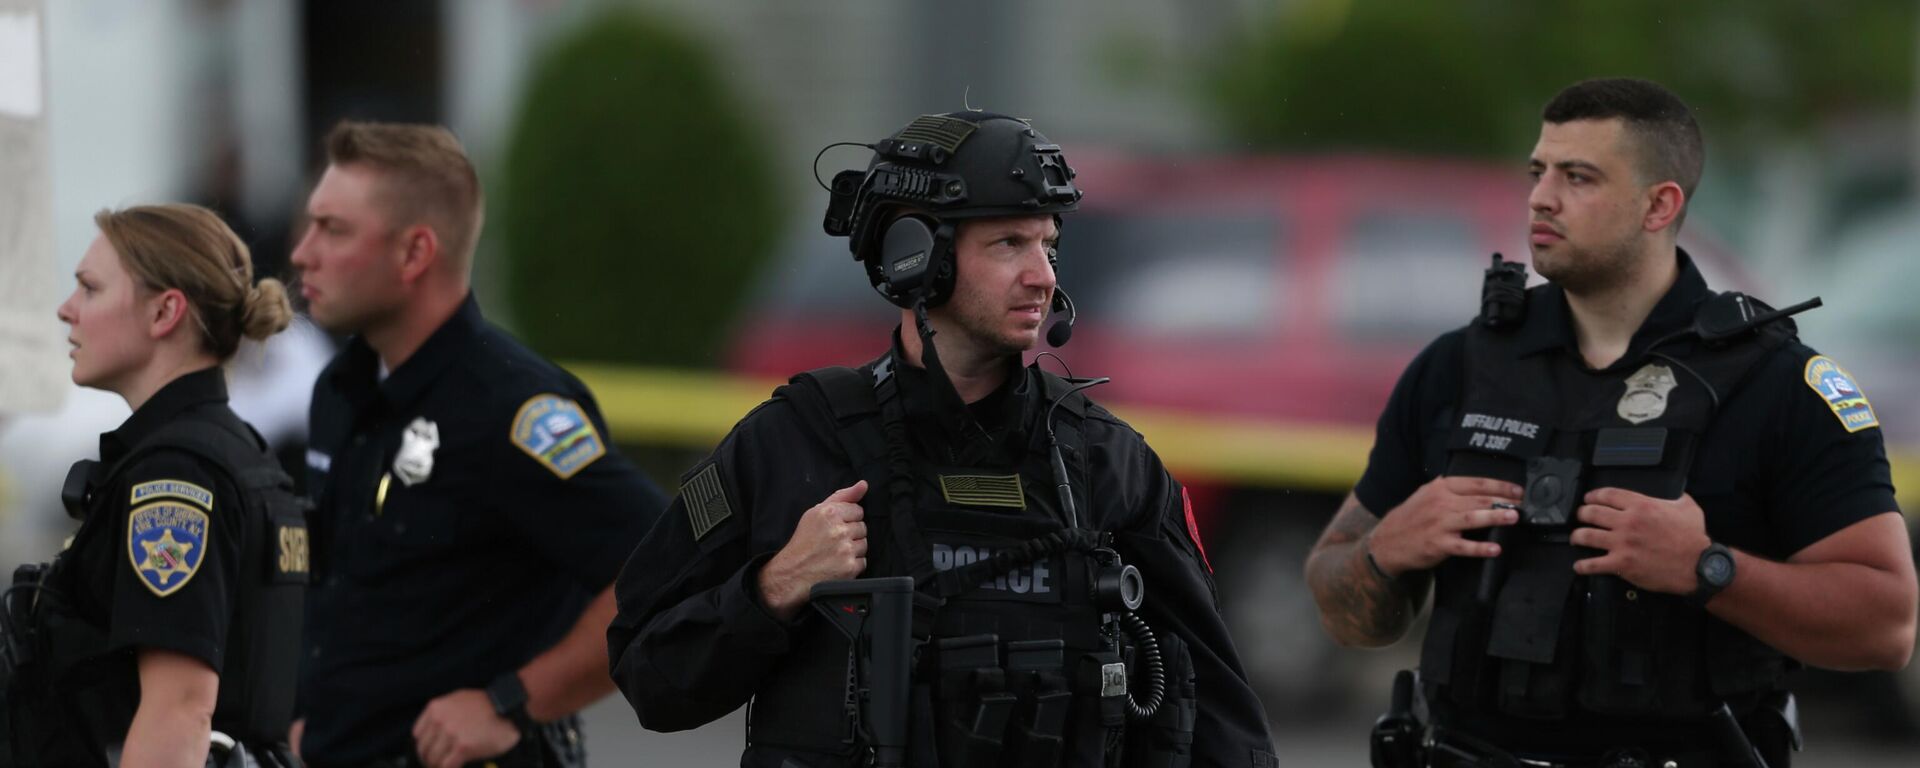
{"x":1841,"y":392}
{"x":170,"y":489}
{"x":166,"y":542}
{"x":558,"y":434}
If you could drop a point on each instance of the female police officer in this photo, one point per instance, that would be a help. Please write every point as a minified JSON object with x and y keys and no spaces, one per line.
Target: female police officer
{"x":171,"y":622}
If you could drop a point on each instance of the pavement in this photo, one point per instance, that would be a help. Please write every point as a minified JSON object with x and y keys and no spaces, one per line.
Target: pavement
{"x":615,"y":738}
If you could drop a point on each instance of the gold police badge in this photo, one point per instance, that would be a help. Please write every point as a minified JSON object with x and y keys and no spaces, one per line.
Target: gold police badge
{"x":1646,"y":397}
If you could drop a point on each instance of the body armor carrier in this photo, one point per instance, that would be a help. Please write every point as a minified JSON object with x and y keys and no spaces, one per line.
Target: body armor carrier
{"x":1524,"y":635}
{"x":70,"y":698}
{"x":1021,"y":632}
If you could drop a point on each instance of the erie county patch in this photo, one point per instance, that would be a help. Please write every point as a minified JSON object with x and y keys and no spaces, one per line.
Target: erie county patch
{"x":556,"y":432}
{"x":1841,"y":392}
{"x":706,"y":500}
{"x":166,"y":542}
{"x":170,"y":489}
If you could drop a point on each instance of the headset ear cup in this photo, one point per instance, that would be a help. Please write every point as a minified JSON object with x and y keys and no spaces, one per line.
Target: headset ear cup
{"x":906,"y":257}
{"x":946,"y":267}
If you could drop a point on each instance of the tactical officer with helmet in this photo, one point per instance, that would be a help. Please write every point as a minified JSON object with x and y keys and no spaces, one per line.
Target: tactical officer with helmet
{"x":1018,"y":519}
{"x":1638,"y":503}
{"x":168,"y":631}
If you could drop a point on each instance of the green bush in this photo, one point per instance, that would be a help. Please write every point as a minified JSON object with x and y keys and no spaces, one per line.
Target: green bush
{"x":1470,"y":77}
{"x":637,"y":201}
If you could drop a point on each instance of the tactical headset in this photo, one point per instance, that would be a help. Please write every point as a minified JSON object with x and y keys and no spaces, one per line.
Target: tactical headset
{"x":901,"y":213}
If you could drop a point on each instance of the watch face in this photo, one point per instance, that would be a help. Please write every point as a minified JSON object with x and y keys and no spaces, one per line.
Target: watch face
{"x":1717,"y":569}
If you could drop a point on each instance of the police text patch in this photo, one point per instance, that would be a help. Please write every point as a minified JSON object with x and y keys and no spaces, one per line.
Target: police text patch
{"x":1841,"y":392}
{"x":706,"y":501}
{"x":166,"y":542}
{"x":558,"y":434}
{"x":170,"y":489}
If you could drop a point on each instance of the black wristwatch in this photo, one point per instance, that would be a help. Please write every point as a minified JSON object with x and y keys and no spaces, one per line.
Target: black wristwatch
{"x":1715,"y":572}
{"x":509,"y":697}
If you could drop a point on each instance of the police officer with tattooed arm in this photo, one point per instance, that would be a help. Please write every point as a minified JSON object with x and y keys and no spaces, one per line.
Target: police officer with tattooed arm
{"x":1021,"y":517}
{"x":1638,"y":503}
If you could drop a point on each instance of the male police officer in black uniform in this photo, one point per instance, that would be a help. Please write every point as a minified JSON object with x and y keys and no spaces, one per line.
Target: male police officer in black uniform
{"x":933,"y":462}
{"x":1639,"y":503}
{"x":471,"y":513}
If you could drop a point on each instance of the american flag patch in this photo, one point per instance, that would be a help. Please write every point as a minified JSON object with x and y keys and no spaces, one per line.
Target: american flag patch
{"x":706,"y":501}
{"x":984,"y":490}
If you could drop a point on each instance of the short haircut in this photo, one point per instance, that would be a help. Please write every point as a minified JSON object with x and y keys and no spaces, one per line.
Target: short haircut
{"x":426,"y":178}
{"x":1662,"y":127}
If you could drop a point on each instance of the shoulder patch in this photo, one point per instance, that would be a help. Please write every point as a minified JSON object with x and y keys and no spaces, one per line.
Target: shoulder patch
{"x":170,"y":489}
{"x":556,"y":432}
{"x":1841,"y":393}
{"x":706,"y":500}
{"x":166,"y":543}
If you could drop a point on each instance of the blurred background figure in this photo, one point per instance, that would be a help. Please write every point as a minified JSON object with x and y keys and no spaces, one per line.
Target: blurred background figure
{"x":1293,"y":197}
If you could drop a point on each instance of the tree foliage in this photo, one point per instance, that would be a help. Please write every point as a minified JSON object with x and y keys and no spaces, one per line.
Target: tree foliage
{"x":638,"y":198}
{"x":1470,"y":76}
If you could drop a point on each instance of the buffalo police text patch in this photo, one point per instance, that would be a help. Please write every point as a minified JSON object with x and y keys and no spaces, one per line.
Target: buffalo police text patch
{"x":1841,"y":392}
{"x":558,"y":434}
{"x":166,"y":542}
{"x":170,"y":489}
{"x":706,"y":501}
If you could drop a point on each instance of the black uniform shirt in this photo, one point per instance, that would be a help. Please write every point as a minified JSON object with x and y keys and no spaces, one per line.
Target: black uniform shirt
{"x":693,"y":641}
{"x":1777,"y":470}
{"x":159,"y":569}
{"x":469,"y":505}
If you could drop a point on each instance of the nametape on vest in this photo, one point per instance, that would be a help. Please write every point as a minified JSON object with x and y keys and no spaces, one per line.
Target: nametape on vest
{"x":166,"y":543}
{"x":292,"y":562}
{"x":1841,"y":393}
{"x":170,"y":489}
{"x":1487,"y":433}
{"x":556,"y":432}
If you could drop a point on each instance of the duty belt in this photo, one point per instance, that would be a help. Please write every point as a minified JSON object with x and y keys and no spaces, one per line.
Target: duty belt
{"x":1452,"y":749}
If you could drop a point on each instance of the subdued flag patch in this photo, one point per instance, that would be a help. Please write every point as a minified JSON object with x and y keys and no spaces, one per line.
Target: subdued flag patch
{"x":984,"y":490}
{"x":706,"y":501}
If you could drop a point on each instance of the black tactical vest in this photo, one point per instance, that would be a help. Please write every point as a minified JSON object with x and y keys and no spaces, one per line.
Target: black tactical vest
{"x":86,"y":702}
{"x":1010,"y":670}
{"x":1525,"y":636}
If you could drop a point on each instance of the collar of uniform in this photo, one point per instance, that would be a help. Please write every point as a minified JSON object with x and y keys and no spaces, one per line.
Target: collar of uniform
{"x":1551,"y":327}
{"x":207,"y":385}
{"x":998,"y":410}
{"x":359,"y":368}
{"x":405,"y":385}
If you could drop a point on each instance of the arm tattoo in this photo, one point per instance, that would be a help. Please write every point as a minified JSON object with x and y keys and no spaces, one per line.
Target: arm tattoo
{"x":1357,"y":605}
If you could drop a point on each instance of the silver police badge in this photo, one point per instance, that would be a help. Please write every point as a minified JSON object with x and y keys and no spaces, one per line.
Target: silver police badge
{"x":1646,"y":397}
{"x":414,"y":463}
